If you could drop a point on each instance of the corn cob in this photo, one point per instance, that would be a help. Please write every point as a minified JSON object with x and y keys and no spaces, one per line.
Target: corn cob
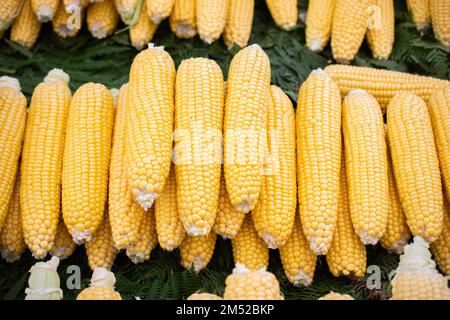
{"x":299,"y":262}
{"x":44,"y":10}
{"x":318,"y":158}
{"x":12,"y":244}
{"x":127,"y":9}
{"x":245,"y":284}
{"x":158,"y":10}
{"x":381,"y":32}
{"x":140,"y":250}
{"x":245,"y":127}
{"x":420,"y":12}
{"x":196,"y":252}
{"x":26,"y":27}
{"x":383,"y":84}
{"x":203,"y":296}
{"x":211,"y":17}
{"x":348,"y":28}
{"x":238,"y":27}
{"x":228,"y":220}
{"x":101,"y":287}
{"x":102,"y":19}
{"x":416,"y":277}
{"x":9,"y":9}
{"x":199,"y":103}
{"x":150,"y":123}
{"x":67,"y":24}
{"x":44,"y":283}
{"x":318,"y":23}
{"x":366,"y":165}
{"x":71,"y":5}
{"x":284,"y":13}
{"x":183,"y":20}
{"x":13,"y":112}
{"x":64,"y":245}
{"x":143,"y":31}
{"x":336,"y":296}
{"x":416,"y":165}
{"x":86,"y":160}
{"x":441,"y":247}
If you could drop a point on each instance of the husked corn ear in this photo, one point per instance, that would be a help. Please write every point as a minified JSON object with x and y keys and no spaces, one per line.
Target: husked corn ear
{"x":140,"y":250}
{"x":238,"y":27}
{"x":318,"y":123}
{"x":381,"y":28}
{"x":416,"y":165}
{"x":228,"y":220}
{"x":245,"y":126}
{"x":9,"y":9}
{"x":13,"y":112}
{"x":127,"y":8}
{"x":383,"y":84}
{"x":199,"y":104}
{"x":42,"y":156}
{"x":102,"y":18}
{"x":336,"y":296}
{"x":150,"y":123}
{"x":299,"y":262}
{"x":64,"y":245}
{"x":101,"y":251}
{"x":211,"y":18}
{"x":284,"y":13}
{"x":86,"y":160}
{"x":183,"y":21}
{"x":143,"y":31}
{"x":245,"y":284}
{"x":158,"y":10}
{"x":348,"y":28}
{"x":26,"y":27}
{"x":420,"y":12}
{"x":196,"y":252}
{"x":440,"y":18}
{"x":441,"y":247}
{"x":203,"y":296}
{"x":319,"y":18}
{"x":12,"y":244}
{"x":45,"y":10}
{"x":101,"y":287}
{"x":366,"y":165}
{"x":67,"y":24}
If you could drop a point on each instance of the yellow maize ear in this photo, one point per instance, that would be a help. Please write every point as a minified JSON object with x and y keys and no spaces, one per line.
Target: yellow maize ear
{"x":143,"y":31}
{"x":140,"y":250}
{"x":348,"y":28}
{"x":245,"y":284}
{"x":416,"y":165}
{"x":204,"y":296}
{"x":319,"y":18}
{"x":183,"y":21}
{"x":397,"y":232}
{"x":318,"y":158}
{"x":127,"y":8}
{"x":299,"y":262}
{"x":12,"y":244}
{"x":245,"y":126}
{"x":248,"y":249}
{"x":9,"y":9}
{"x":238,"y":27}
{"x":420,"y":13}
{"x":64,"y":245}
{"x":416,"y":277}
{"x":101,"y":287}
{"x":45,"y":10}
{"x":211,"y":18}
{"x":26,"y":27}
{"x":441,"y":247}
{"x":347,"y":254}
{"x":228,"y":220}
{"x":284,"y":13}
{"x":13,"y":112}
{"x":42,"y":156}
{"x":86,"y":160}
{"x":125,"y":215}
{"x":196,"y":252}
{"x":101,"y":251}
{"x":383,"y":84}
{"x":199,"y":104}
{"x":439,"y":109}
{"x":381,"y":28}
{"x":102,"y":19}
{"x":67,"y":24}
{"x":150,"y":123}
{"x":158,"y":10}
{"x":366,"y":165}
{"x":336,"y":296}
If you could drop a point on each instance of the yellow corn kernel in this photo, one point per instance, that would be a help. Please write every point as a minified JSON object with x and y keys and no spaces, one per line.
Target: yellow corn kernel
{"x":127,"y":8}
{"x":101,"y":287}
{"x":416,"y":165}
{"x":13,"y":113}
{"x":211,"y":18}
{"x":383,"y":84}
{"x":140,"y":250}
{"x":284,"y":13}
{"x":441,"y":247}
{"x":67,"y":24}
{"x":318,"y":158}
{"x":319,"y":18}
{"x":336,"y":296}
{"x":245,"y":126}
{"x":143,"y":31}
{"x":9,"y":9}
{"x":299,"y":262}
{"x":183,"y":21}
{"x":381,"y":28}
{"x":420,"y":12}
{"x":86,"y":160}
{"x":158,"y":10}
{"x":203,"y":296}
{"x":348,"y":28}
{"x":150,"y":124}
{"x":102,"y":18}
{"x":26,"y":27}
{"x":366,"y":165}
{"x":196,"y":252}
{"x":64,"y":245}
{"x":238,"y":27}
{"x":45,"y":10}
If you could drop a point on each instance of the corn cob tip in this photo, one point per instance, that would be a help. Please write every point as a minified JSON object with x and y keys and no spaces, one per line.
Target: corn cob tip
{"x":302,"y":16}
{"x":6,"y":81}
{"x":366,"y":239}
{"x":39,"y":254}
{"x":45,"y":13}
{"x":318,"y":248}
{"x":197,"y":264}
{"x":98,"y":30}
{"x":136,"y":257}
{"x":114,"y":93}
{"x":80,"y":237}
{"x":315,"y":45}
{"x":102,"y":277}
{"x":57,"y":75}
{"x":10,"y":256}
{"x":146,"y":199}
{"x":357,"y":91}
{"x":194,"y":231}
{"x":243,"y":207}
{"x":302,"y":279}
{"x":397,"y":247}
{"x":151,"y":45}
{"x":319,"y":72}
{"x":270,"y":241}
{"x":60,"y":252}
